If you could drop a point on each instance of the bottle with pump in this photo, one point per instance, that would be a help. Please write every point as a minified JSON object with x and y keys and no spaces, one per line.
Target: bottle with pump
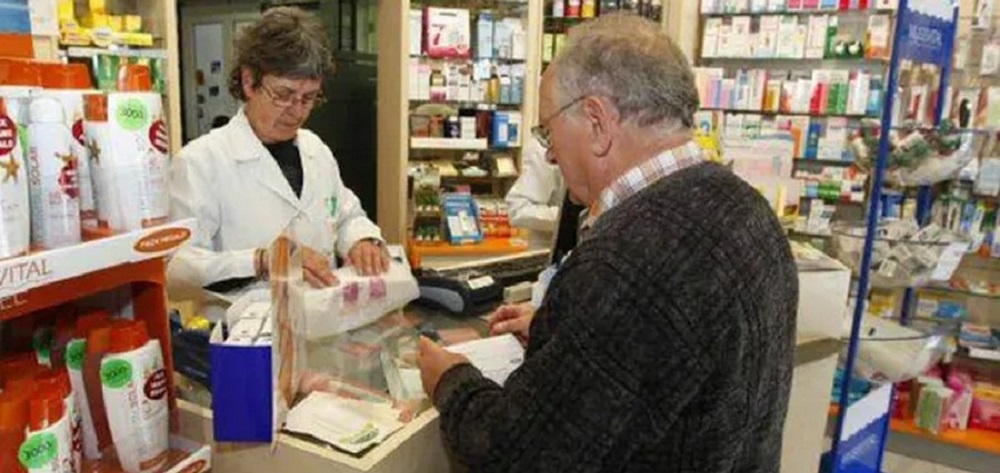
{"x":55,"y":193}
{"x":134,"y":383}
{"x":47,"y":447}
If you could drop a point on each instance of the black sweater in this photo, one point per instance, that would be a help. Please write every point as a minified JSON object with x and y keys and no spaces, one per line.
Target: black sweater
{"x":665,"y":344}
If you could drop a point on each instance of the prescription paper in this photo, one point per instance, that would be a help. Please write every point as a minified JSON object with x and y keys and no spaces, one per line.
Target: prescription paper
{"x":496,"y":357}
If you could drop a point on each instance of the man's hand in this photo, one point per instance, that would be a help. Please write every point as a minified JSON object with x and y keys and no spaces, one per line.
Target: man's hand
{"x":368,"y":258}
{"x":512,"y":319}
{"x":316,"y":269}
{"x":434,"y":362}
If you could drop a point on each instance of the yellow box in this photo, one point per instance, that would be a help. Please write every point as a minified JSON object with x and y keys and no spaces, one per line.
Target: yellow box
{"x":65,"y":11}
{"x":133,"y":23}
{"x":96,"y":20}
{"x":117,"y":23}
{"x":98,"y":7}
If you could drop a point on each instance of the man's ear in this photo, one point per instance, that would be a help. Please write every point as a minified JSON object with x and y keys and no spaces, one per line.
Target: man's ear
{"x":602,"y":120}
{"x":247,"y":82}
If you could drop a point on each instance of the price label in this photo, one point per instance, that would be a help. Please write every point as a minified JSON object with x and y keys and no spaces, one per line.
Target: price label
{"x":132,"y":114}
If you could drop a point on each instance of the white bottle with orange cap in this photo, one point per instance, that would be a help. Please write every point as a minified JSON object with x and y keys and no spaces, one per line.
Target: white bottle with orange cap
{"x":134,"y":384}
{"x":58,"y":380}
{"x":53,"y":177}
{"x":47,"y":447}
{"x":76,"y":355}
{"x":138,"y":151}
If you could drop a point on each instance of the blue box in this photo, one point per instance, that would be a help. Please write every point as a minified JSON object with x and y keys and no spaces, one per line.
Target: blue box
{"x":243,"y":386}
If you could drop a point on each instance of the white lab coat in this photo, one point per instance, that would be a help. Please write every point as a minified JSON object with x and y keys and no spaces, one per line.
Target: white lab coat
{"x":232,"y":185}
{"x":536,"y":197}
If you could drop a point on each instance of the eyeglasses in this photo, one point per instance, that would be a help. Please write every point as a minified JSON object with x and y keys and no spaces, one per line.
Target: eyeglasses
{"x":541,"y":131}
{"x":288,"y":98}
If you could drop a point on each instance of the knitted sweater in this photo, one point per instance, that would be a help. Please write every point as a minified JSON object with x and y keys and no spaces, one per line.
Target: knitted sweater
{"x":665,"y":344}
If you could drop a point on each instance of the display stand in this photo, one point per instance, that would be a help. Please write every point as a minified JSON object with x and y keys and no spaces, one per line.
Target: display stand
{"x":136,"y":259}
{"x":924,"y":33}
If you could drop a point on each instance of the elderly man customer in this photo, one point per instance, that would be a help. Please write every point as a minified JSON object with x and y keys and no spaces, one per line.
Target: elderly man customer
{"x":665,"y":340}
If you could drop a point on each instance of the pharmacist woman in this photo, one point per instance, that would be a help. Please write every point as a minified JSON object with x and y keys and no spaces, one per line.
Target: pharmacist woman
{"x":248,"y":180}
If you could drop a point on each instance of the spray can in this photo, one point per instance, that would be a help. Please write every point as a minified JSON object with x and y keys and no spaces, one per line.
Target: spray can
{"x":15,"y":213}
{"x":53,"y":178}
{"x":69,"y":84}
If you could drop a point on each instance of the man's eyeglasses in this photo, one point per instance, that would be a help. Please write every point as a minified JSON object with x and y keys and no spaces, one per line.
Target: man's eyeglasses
{"x":541,"y":131}
{"x":287,"y":98}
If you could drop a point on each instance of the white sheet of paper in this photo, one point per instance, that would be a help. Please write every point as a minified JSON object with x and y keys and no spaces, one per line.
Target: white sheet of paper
{"x":496,"y":357}
{"x":347,"y":424}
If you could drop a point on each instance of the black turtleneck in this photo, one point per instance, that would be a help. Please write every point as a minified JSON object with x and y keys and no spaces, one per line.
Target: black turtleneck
{"x":286,"y":153}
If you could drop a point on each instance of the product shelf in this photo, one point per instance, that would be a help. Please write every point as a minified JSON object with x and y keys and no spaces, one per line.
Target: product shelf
{"x":89,"y":52}
{"x":767,"y":113}
{"x":810,"y":12}
{"x":823,"y":162}
{"x":974,"y":439}
{"x":488,"y":247}
{"x":475,"y":144}
{"x":33,"y":281}
{"x":959,"y":292}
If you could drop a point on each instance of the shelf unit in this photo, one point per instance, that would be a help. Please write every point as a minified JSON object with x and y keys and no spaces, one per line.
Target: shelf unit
{"x":774,"y":85}
{"x":397,"y":149}
{"x":135,"y":260}
{"x":556,"y":27}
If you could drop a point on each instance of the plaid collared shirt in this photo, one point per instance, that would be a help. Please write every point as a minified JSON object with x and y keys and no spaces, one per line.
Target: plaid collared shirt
{"x":643,"y":176}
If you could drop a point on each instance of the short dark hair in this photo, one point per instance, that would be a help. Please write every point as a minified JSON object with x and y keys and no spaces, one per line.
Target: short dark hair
{"x":286,"y":42}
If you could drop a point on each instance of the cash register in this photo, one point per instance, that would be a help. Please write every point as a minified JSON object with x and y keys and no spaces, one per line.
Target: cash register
{"x":477,"y":288}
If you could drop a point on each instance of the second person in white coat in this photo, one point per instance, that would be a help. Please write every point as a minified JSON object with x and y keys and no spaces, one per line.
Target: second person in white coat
{"x":535,"y":198}
{"x":248,"y":180}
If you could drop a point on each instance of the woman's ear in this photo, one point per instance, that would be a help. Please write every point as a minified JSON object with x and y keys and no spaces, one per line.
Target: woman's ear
{"x":248,"y":83}
{"x":601,"y":119}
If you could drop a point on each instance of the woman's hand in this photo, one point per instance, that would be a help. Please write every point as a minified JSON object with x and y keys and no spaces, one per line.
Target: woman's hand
{"x":369,"y":258}
{"x":512,"y":319}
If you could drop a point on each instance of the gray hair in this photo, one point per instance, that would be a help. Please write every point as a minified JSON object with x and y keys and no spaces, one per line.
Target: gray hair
{"x":632,"y":63}
{"x":286,"y":42}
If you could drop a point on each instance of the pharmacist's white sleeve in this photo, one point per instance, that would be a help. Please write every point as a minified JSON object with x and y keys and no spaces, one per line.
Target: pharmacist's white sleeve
{"x":198,"y":264}
{"x":533,"y":201}
{"x":352,"y":222}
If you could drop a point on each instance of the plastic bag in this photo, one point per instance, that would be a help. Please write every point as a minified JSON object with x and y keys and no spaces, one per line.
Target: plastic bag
{"x":891,"y":353}
{"x":356,"y":301}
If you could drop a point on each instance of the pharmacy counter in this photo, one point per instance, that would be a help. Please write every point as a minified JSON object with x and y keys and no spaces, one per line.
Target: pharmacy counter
{"x":418,"y":447}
